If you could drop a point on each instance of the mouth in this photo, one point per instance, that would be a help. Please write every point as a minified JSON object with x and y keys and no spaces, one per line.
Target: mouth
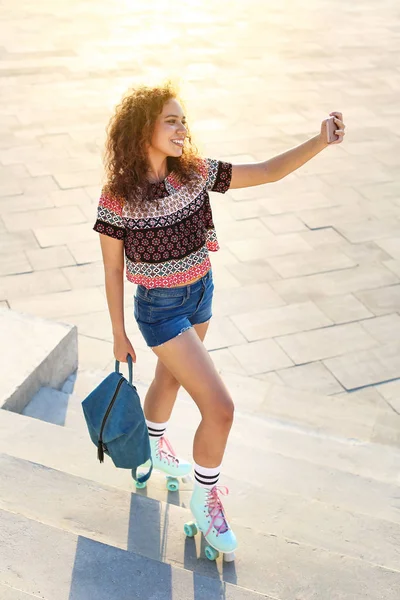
{"x":178,"y":142}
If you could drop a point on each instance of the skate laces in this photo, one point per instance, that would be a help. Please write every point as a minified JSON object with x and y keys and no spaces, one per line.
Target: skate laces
{"x":165,"y":450}
{"x":216,"y":510}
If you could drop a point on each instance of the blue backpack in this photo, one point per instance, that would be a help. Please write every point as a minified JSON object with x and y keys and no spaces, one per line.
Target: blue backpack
{"x":116,"y":423}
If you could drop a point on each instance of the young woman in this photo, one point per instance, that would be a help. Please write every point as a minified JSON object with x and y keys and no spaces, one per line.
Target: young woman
{"x":155,"y":218}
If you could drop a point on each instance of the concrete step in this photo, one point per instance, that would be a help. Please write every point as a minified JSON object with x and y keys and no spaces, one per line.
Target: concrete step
{"x":362,"y":415}
{"x":53,"y":564}
{"x":311,"y":523}
{"x":33,"y":353}
{"x":73,"y":452}
{"x":9,"y":593}
{"x":266,"y":563}
{"x":374,"y":461}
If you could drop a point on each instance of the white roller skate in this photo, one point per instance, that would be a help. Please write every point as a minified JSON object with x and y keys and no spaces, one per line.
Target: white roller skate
{"x":166,"y":461}
{"x":210,"y":519}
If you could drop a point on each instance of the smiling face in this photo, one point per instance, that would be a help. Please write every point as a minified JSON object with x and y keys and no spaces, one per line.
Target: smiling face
{"x":169,"y":131}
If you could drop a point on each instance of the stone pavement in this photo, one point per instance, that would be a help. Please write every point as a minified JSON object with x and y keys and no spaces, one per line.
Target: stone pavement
{"x":308,"y":276}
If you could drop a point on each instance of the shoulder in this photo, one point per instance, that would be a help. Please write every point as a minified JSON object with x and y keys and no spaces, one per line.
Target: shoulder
{"x":108,"y":199}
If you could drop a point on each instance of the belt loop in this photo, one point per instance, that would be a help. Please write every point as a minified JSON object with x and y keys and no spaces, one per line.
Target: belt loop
{"x":187,"y":292}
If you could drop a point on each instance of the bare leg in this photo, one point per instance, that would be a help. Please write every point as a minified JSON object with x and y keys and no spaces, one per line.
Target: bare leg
{"x":161,"y":395}
{"x":188,"y":361}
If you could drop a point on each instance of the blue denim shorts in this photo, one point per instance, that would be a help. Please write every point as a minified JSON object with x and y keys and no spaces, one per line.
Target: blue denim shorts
{"x":164,"y":313}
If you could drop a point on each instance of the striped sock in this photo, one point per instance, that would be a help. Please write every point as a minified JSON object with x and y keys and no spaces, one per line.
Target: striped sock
{"x":206,"y":477}
{"x":156,"y":430}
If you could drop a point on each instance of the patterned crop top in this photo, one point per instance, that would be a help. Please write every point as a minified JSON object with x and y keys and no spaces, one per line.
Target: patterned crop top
{"x":167,"y":242}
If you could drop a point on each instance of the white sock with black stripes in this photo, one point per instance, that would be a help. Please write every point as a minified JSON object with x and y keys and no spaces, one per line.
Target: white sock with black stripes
{"x":156,"y":430}
{"x":206,"y":477}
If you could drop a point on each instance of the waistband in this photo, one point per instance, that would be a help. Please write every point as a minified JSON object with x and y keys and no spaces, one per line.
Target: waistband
{"x":183,"y":290}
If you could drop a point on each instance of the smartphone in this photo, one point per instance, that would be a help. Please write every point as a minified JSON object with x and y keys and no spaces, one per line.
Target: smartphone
{"x":330,"y":129}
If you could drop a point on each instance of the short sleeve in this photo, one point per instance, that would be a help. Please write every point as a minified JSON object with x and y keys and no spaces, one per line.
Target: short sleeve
{"x":219,"y":175}
{"x":109,"y":216}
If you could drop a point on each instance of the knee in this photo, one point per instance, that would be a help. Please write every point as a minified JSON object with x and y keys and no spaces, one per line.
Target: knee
{"x":167,"y":382}
{"x":224,"y":412}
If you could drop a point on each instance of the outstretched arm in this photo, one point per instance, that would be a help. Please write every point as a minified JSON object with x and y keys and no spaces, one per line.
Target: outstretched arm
{"x":279,"y":166}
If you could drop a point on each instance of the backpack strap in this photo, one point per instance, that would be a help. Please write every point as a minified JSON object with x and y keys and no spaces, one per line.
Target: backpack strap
{"x":146,"y":476}
{"x":130,"y":367}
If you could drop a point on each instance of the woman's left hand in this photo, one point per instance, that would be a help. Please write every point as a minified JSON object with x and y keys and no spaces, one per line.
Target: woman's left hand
{"x":340,"y":127}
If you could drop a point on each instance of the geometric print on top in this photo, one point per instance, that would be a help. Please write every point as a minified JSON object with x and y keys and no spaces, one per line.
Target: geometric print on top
{"x":167,"y":240}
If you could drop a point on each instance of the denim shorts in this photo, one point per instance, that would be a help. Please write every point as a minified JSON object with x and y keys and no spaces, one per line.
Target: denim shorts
{"x":164,"y":313}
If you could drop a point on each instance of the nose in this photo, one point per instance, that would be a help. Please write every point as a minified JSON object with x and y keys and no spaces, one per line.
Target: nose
{"x":182,"y":128}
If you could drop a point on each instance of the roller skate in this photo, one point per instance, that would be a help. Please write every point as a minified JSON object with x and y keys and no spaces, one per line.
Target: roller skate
{"x":210,"y":519}
{"x":166,"y":461}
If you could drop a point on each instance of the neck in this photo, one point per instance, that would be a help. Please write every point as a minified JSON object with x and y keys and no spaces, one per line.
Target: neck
{"x":158,"y":167}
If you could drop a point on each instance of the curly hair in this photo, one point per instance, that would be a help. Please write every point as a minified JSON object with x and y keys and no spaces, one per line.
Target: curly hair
{"x":129,"y":131}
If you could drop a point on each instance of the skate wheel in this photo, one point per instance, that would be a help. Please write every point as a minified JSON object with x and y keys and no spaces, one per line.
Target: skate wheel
{"x":211,"y":553}
{"x":229,"y":556}
{"x":140,"y":486}
{"x":172,"y":484}
{"x":190,"y":529}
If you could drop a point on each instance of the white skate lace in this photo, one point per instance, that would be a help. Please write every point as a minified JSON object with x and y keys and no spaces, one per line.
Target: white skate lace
{"x":216,"y":510}
{"x":165,"y":450}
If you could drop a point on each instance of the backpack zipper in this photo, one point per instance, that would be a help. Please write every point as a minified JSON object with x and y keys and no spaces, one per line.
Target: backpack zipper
{"x":100,"y":445}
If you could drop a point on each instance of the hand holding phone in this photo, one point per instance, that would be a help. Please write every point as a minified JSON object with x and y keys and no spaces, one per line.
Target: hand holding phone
{"x":330,"y":130}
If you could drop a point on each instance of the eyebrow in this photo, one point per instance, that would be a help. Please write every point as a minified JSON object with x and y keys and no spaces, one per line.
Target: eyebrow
{"x":176,"y":117}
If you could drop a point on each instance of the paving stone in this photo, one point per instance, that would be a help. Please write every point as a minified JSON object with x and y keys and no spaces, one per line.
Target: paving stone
{"x":324,"y":343}
{"x":391,"y":393}
{"x":290,"y":203}
{"x":391,"y":245}
{"x":50,"y":258}
{"x":222,"y":333}
{"x":373,"y":229}
{"x":333,"y":216}
{"x":85,"y":252}
{"x":224,"y":279}
{"x":61,"y":234}
{"x":261,"y":357}
{"x":76,"y":196}
{"x":366,"y":253}
{"x":94,"y":353}
{"x":382,"y":300}
{"x":380,"y":191}
{"x":23,"y":202}
{"x":43,"y":218}
{"x":58,"y":305}
{"x":326,"y":238}
{"x":308,"y":263}
{"x":12,"y":263}
{"x":313,"y":376}
{"x":325,"y":285}
{"x":241,"y":211}
{"x":343,"y":309}
{"x":384,"y":329}
{"x":17,"y":242}
{"x":29,"y":284}
{"x":368,"y":367}
{"x":287,"y":223}
{"x":77,"y":179}
{"x":274,"y":322}
{"x":64,"y":164}
{"x":392,"y":265}
{"x":255,"y":249}
{"x":85,"y":275}
{"x":252,"y":297}
{"x":232,"y":231}
{"x":252,"y":271}
{"x":226,"y":362}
